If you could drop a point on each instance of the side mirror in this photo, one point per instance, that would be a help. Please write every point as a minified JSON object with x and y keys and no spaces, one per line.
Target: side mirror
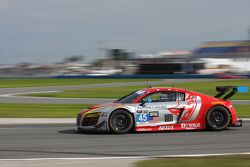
{"x":142,"y":103}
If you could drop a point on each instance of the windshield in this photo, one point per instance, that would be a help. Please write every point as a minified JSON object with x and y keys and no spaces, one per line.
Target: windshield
{"x":130,"y":98}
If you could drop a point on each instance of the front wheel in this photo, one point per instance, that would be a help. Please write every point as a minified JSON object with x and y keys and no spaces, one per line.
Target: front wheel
{"x":218,"y":118}
{"x":121,"y":122}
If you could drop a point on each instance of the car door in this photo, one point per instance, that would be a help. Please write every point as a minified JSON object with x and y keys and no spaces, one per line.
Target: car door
{"x":160,"y":108}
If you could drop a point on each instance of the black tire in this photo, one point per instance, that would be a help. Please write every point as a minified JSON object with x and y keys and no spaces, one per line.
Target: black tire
{"x":121,"y":122}
{"x":218,"y":118}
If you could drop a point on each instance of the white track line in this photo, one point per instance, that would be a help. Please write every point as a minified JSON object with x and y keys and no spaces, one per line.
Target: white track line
{"x":15,"y":94}
{"x":127,"y":157}
{"x":22,"y":95}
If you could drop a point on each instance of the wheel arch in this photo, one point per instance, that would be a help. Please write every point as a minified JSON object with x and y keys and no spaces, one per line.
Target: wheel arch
{"x":125,"y":109}
{"x":219,"y":105}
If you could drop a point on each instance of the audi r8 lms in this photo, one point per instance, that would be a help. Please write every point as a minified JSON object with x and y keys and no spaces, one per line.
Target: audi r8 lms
{"x":163,"y":109}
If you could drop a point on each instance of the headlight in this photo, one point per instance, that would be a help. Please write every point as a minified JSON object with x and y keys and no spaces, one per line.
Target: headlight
{"x":92,"y":115}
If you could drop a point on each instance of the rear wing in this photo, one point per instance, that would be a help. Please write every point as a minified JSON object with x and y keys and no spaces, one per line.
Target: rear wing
{"x":229,"y":91}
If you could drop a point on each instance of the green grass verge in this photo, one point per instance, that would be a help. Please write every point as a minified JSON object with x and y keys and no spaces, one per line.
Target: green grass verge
{"x":116,"y":92}
{"x":243,"y":111}
{"x":215,"y":161}
{"x":20,"y":110}
{"x":13,"y":83}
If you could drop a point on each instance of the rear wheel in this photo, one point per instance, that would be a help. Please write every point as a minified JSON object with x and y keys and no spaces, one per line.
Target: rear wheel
{"x":121,"y":122}
{"x":218,"y":118}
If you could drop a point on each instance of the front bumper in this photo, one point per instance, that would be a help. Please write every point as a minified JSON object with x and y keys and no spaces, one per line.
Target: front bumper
{"x":237,"y":123}
{"x":99,"y":126}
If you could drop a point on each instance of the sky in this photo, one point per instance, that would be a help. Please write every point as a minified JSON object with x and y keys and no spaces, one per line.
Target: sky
{"x":48,"y":31}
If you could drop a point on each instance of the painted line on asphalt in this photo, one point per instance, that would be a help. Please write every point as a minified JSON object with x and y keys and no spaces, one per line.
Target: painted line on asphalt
{"x":128,"y":157}
{"x":56,"y":98}
{"x":16,"y":94}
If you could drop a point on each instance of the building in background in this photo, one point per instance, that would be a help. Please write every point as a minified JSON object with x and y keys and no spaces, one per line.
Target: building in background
{"x":170,"y":62}
{"x":227,"y":57}
{"x":223,"y":57}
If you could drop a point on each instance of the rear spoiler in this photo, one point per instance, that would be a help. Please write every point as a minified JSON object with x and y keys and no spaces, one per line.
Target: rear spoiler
{"x":231,"y":91}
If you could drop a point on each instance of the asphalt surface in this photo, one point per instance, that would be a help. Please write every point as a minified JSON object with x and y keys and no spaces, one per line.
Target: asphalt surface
{"x":8,"y":95}
{"x":58,"y":141}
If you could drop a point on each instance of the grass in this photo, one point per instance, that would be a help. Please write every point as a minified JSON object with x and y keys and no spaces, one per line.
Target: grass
{"x":215,"y":161}
{"x":243,"y":111}
{"x":21,"y":110}
{"x":116,"y":92}
{"x":14,"y":83}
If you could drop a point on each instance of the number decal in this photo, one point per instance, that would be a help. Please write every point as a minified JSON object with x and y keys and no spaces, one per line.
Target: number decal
{"x":142,"y":117}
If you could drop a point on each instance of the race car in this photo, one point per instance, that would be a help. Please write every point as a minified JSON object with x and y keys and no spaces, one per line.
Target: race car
{"x":163,"y":109}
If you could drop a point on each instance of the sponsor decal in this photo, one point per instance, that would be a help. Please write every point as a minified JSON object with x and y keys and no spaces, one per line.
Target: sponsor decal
{"x":190,"y":125}
{"x":154,"y":114}
{"x":153,"y":124}
{"x":142,"y":111}
{"x":159,"y":107}
{"x":169,"y":117}
{"x":144,"y":129}
{"x":166,"y":128}
{"x":139,"y":111}
{"x":150,"y":107}
{"x":153,"y":119}
{"x":141,"y":108}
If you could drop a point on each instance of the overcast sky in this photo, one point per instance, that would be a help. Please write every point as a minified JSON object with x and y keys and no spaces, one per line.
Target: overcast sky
{"x":44,"y":31}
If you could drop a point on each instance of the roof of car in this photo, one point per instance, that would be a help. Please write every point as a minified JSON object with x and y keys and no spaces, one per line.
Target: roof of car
{"x":155,"y":89}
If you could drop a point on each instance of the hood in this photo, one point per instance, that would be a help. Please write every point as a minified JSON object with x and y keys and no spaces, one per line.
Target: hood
{"x":102,"y":105}
{"x":97,"y":107}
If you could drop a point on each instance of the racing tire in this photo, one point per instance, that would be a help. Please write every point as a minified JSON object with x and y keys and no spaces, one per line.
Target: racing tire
{"x":218,"y":118}
{"x":121,"y":122}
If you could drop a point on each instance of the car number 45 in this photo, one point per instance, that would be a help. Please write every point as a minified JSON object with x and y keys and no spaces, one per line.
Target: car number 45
{"x":142,"y":117}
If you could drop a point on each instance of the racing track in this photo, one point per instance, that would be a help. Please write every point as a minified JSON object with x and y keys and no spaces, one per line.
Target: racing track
{"x":52,"y":141}
{"x":59,"y":141}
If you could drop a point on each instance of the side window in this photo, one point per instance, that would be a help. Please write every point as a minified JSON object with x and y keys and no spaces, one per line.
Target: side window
{"x":180,"y":96}
{"x":162,"y":97}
